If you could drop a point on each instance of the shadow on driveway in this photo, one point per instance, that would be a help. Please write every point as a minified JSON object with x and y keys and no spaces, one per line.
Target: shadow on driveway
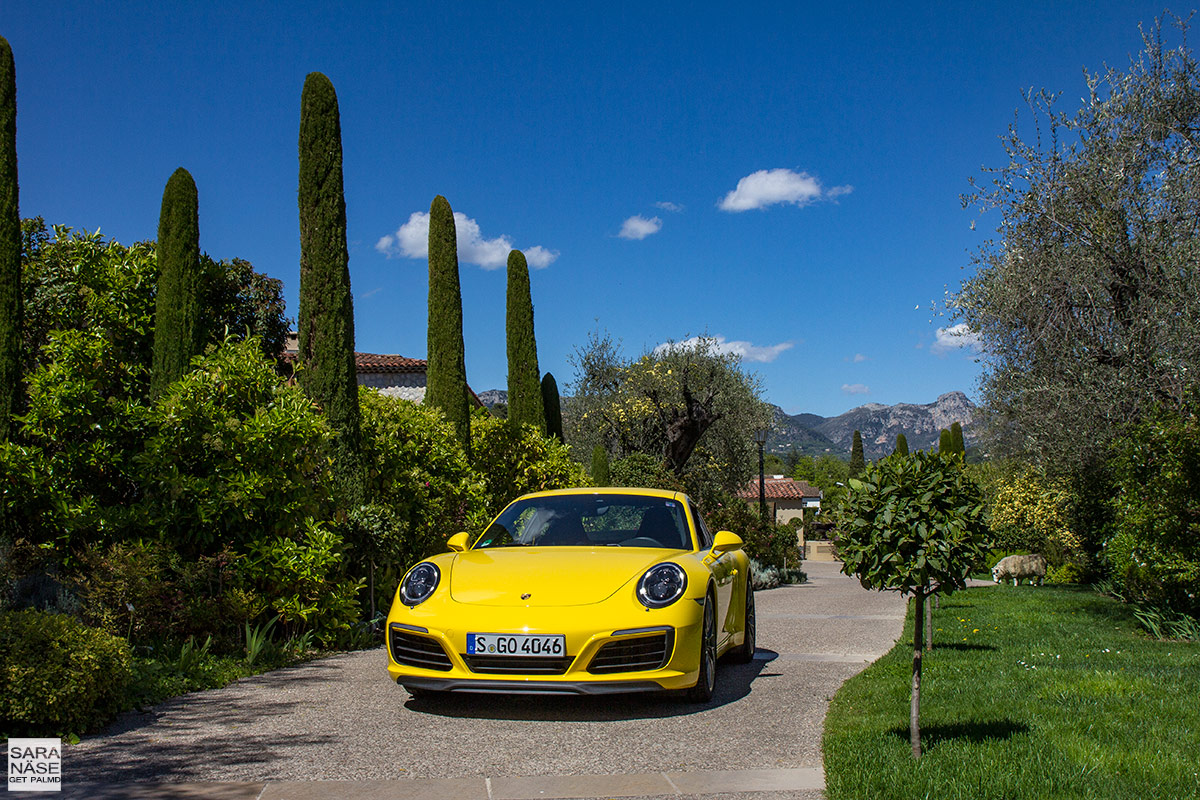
{"x":733,"y":683}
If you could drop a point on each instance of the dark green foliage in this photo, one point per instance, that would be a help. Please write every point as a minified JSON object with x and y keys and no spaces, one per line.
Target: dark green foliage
{"x":914,"y":524}
{"x":326,"y":327}
{"x":420,"y":490}
{"x":236,"y":455}
{"x":644,"y":471}
{"x":302,"y":579}
{"x":857,"y":463}
{"x":69,"y":471}
{"x":249,"y":303}
{"x":957,"y":445}
{"x":600,"y":473}
{"x":75,"y":280}
{"x":945,"y":442}
{"x":10,"y":244}
{"x":524,"y":392}
{"x":145,"y":591}
{"x":552,"y":405}
{"x":177,"y":329}
{"x":58,"y":676}
{"x":1154,"y":556}
{"x":901,"y":445}
{"x":446,"y":372}
{"x":514,"y":460}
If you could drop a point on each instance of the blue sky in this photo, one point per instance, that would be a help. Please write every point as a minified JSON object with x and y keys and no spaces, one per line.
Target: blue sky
{"x":784,"y":177}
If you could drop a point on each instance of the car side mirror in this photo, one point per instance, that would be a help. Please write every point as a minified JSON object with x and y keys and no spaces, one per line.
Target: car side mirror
{"x":459,"y":542}
{"x":725,"y":541}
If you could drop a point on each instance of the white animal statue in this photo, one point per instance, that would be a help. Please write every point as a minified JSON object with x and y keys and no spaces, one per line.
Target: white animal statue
{"x":1020,"y":567}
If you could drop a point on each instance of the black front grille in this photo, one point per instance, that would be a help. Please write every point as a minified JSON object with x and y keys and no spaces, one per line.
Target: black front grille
{"x":413,"y":650}
{"x":633,"y":655}
{"x":511,"y":665}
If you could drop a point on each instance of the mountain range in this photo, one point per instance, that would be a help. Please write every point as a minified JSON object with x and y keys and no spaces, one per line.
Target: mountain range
{"x":812,"y":434}
{"x":878,"y":424}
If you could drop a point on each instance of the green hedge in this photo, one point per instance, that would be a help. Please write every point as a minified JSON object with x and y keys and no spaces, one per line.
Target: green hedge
{"x":58,"y":676}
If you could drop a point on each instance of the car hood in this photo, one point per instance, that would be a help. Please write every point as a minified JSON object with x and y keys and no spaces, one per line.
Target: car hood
{"x":550,"y":576}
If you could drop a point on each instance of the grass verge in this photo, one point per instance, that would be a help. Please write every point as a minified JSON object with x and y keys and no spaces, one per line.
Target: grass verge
{"x":1029,"y":692}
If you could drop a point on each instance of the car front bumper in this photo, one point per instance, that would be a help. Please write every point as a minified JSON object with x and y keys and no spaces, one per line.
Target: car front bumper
{"x":424,"y":652}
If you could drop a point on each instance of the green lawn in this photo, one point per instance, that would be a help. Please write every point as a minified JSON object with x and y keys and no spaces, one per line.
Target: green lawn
{"x":1030,"y":692}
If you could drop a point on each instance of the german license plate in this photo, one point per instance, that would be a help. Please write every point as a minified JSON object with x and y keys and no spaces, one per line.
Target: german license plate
{"x":515,"y":644}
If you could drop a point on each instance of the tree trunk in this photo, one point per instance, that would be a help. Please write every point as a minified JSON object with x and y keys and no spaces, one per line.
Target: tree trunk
{"x":928,"y":625}
{"x":372,"y":574}
{"x":914,"y":718}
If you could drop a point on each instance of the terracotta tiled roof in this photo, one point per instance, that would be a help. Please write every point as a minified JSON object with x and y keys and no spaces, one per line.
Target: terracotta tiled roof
{"x":375,"y":362}
{"x":779,"y":489}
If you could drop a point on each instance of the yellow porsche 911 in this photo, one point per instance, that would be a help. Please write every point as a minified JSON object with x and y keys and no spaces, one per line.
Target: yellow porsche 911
{"x":577,"y":591}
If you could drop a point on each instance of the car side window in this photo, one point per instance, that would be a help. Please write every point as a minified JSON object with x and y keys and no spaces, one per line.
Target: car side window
{"x":702,"y":532}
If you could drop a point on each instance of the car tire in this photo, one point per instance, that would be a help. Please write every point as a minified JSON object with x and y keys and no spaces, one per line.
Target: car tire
{"x":706,"y":679}
{"x":744,"y":653}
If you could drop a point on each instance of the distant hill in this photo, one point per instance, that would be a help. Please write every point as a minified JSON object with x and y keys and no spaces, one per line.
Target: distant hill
{"x":878,"y":424}
{"x":812,"y":434}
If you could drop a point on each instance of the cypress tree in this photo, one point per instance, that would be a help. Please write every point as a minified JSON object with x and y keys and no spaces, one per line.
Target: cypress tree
{"x":326,"y":341}
{"x":10,"y":245}
{"x":524,"y":393}
{"x":945,"y":442}
{"x":552,"y":406}
{"x":901,"y":445}
{"x":446,"y":372}
{"x":857,"y":462}
{"x":956,"y":439}
{"x":600,"y":476}
{"x":177,"y":332}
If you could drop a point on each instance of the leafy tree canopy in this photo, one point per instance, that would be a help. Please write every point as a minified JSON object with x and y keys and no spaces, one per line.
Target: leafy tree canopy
{"x":688,"y":404}
{"x":75,"y":280}
{"x":1085,"y":303}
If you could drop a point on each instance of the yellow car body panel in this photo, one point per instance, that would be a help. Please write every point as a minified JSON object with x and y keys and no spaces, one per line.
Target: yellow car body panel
{"x":586,"y":594}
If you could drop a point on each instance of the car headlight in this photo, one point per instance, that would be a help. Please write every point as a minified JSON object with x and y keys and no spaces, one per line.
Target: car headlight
{"x":419,"y":583}
{"x":662,"y":585}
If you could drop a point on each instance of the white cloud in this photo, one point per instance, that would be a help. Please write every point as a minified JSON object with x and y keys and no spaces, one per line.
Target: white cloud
{"x":762,"y":354}
{"x":855,"y":388}
{"x":859,"y":358}
{"x":638,"y":227}
{"x":411,"y":240}
{"x":370,"y":293}
{"x":768,"y":187}
{"x":667,"y":205}
{"x":956,"y":337}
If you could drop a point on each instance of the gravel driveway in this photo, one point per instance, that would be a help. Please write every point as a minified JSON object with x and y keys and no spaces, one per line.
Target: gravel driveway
{"x":341,"y":718}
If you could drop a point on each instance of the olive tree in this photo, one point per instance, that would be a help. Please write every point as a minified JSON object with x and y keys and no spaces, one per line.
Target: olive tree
{"x":1084,"y":304}
{"x":681,"y":398}
{"x":913,"y":524}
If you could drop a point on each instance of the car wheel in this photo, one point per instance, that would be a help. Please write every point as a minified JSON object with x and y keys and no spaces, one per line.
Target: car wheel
{"x":744,"y":653}
{"x":706,"y":681}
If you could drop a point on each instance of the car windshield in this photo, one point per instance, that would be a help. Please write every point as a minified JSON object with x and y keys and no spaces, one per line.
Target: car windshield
{"x":590,"y":520}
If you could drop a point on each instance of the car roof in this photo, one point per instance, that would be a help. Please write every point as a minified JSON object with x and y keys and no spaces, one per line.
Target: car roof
{"x":626,"y":490}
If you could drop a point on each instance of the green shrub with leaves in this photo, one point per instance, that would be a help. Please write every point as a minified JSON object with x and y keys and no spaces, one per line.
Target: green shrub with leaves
{"x":513,"y":461}
{"x":1154,"y":554}
{"x":144,"y":591}
{"x":58,"y":676}
{"x":70,"y":474}
{"x":914,"y":524}
{"x":301,"y":578}
{"x":643,"y":470}
{"x":237,"y":456}
{"x":419,"y":490}
{"x":1032,"y":512}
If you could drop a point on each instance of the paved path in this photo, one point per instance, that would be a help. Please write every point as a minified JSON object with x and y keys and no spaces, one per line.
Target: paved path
{"x":290,"y":733}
